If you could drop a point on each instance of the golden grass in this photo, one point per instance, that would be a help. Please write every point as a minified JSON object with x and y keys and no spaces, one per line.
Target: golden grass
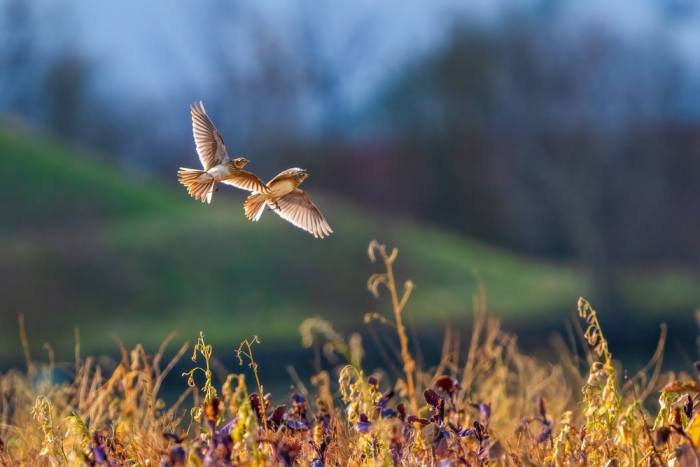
{"x":488,"y":406}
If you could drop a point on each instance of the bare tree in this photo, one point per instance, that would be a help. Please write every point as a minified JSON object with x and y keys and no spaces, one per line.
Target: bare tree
{"x":21,"y":70}
{"x":524,"y":137}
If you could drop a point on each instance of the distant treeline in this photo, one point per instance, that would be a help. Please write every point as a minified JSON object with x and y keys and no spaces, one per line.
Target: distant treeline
{"x":540,"y":135}
{"x":576,"y":146}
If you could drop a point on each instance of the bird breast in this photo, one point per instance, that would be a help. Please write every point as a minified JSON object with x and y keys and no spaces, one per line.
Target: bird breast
{"x":220,"y":172}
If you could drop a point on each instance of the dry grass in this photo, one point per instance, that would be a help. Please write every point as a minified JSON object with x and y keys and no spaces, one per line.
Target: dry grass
{"x":488,"y":406}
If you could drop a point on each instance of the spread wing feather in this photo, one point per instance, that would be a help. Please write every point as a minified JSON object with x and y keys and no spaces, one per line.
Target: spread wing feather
{"x":297,"y":208}
{"x":247,"y":181}
{"x":210,"y":144}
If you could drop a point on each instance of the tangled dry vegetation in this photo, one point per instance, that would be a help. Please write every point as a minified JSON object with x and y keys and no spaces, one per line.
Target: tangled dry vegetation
{"x":495,"y":407}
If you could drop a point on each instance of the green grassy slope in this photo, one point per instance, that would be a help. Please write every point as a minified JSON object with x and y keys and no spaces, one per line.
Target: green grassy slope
{"x":85,"y":243}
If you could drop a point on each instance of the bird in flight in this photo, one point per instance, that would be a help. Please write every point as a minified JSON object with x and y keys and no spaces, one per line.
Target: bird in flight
{"x":291,"y":203}
{"x":218,"y":166}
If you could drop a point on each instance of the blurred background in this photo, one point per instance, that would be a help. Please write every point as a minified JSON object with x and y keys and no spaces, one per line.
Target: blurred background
{"x":547,"y":148}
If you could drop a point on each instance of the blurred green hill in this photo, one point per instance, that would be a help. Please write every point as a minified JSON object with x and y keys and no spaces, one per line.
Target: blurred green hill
{"x":89,"y":244}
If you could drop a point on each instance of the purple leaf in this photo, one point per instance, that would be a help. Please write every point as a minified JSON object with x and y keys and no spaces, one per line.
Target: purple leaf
{"x":445,"y":383}
{"x":373,"y":382}
{"x":401,"y":409}
{"x":688,"y":408}
{"x":257,"y":408}
{"x":99,"y":453}
{"x":484,"y":410}
{"x":363,"y":427}
{"x":542,"y":407}
{"x":479,"y":431}
{"x":546,"y":433}
{"x":178,"y":456}
{"x":467,"y":432}
{"x":432,"y":397}
{"x":172,"y":436}
{"x":226,"y":429}
{"x":296,"y":425}
{"x":276,"y":418}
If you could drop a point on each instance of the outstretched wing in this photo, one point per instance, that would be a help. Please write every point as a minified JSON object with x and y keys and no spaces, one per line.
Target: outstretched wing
{"x":247,"y":181}
{"x":210,"y":144}
{"x":297,"y":208}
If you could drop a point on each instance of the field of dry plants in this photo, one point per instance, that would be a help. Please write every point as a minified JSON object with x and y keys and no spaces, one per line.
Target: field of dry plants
{"x":487,"y":405}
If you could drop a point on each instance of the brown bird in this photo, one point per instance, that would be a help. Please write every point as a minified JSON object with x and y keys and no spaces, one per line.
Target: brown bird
{"x":291,"y":203}
{"x":218,"y":167}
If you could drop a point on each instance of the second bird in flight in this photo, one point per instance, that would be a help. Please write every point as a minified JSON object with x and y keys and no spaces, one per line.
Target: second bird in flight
{"x":281,"y":194}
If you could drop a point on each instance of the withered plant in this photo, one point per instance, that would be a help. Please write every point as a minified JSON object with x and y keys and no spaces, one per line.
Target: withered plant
{"x":489,"y":406}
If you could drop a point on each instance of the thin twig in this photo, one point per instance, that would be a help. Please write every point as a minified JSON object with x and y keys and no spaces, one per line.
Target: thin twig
{"x":31,"y":369}
{"x":398,"y":305}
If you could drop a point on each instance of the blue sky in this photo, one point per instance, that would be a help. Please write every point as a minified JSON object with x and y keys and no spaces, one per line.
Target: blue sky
{"x":154,"y":45}
{"x":158,"y":49}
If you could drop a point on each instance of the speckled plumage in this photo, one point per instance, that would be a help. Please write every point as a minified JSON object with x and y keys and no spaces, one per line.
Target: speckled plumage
{"x":291,"y":203}
{"x":218,"y":166}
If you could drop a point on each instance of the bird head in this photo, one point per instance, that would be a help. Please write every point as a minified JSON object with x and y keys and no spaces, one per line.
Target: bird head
{"x":240,"y":162}
{"x":301,"y":175}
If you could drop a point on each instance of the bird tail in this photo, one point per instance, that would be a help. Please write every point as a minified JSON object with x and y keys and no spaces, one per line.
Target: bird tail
{"x":254,"y":206}
{"x":199,"y":183}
